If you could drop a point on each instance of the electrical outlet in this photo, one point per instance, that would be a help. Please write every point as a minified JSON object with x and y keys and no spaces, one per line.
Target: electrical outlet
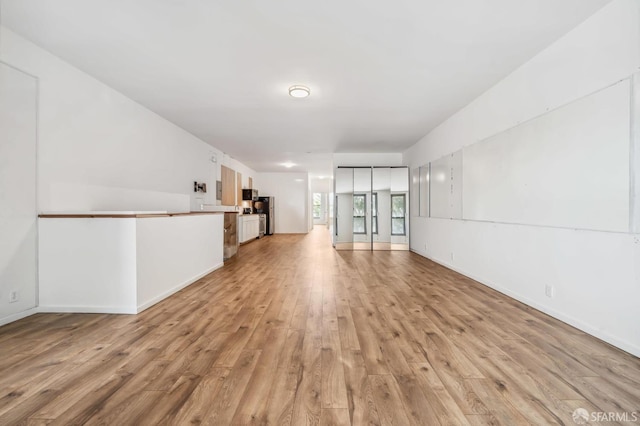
{"x":549,"y":290}
{"x":452,"y":256}
{"x":13,"y":296}
{"x":425,"y":246}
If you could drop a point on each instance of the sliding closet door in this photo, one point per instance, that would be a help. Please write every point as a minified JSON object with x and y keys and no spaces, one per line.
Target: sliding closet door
{"x":343,"y":205}
{"x":382,"y":203}
{"x":399,"y":208}
{"x":362,"y":208}
{"x":372,"y":208}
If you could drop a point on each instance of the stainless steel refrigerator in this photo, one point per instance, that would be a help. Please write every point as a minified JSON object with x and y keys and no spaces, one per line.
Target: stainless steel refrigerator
{"x":266,"y":205}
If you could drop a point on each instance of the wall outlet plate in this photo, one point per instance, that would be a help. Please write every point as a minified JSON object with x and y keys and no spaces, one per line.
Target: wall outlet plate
{"x":13,"y":296}
{"x":549,"y":290}
{"x":218,"y":190}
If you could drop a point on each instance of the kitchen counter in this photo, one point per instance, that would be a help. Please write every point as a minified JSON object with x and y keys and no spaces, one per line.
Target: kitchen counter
{"x":124,"y":214}
{"x":123,"y":261}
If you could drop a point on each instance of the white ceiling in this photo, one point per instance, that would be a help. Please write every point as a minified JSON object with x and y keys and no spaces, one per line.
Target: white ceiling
{"x":382,"y":74}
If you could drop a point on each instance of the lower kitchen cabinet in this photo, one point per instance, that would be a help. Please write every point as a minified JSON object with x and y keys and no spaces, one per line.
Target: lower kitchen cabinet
{"x":249,"y":227}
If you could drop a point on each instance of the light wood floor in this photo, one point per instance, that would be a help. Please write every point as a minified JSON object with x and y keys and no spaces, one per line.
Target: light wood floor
{"x":293,"y":332}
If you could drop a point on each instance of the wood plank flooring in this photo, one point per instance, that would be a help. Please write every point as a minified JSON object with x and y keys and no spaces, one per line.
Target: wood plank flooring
{"x":293,"y":332}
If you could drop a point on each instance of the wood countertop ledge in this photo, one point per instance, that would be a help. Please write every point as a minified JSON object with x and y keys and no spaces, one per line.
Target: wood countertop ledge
{"x":123,"y":215}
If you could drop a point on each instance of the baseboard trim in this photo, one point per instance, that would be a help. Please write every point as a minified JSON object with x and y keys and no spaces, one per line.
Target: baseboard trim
{"x":126,"y":310}
{"x":574,"y":322}
{"x":176,"y":289}
{"x":18,"y":316}
{"x":53,"y":309}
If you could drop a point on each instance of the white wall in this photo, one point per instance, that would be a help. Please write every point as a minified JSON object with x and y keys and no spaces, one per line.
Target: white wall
{"x":292,"y":199}
{"x":445,"y":192}
{"x":99,"y":150}
{"x":595,"y":274}
{"x":560,"y":169}
{"x":322,"y":185}
{"x":18,"y":226}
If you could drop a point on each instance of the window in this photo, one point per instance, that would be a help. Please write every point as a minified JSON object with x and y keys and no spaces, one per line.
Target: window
{"x":374,"y":213}
{"x":398,"y":214}
{"x":317,"y":205}
{"x":359,"y":213}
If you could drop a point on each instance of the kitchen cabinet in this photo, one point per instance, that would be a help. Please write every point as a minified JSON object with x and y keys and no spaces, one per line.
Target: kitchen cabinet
{"x":249,"y":227}
{"x":230,"y":234}
{"x":141,"y":257}
{"x":228,"y":186}
{"x":238,"y":188}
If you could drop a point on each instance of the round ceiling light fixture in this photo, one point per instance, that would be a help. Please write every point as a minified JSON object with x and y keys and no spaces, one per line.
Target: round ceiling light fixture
{"x":299,"y":91}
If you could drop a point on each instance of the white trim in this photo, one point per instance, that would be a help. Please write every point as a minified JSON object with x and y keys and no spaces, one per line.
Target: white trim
{"x":580,"y":325}
{"x":18,"y":316}
{"x":122,"y":309}
{"x":175,"y":289}
{"x":634,"y":157}
{"x":17,"y":68}
{"x":53,"y":309}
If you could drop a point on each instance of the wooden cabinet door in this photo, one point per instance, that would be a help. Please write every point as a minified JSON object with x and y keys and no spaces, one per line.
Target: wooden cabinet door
{"x":255,"y":228}
{"x":240,"y":228}
{"x":238,"y":188}
{"x":228,"y":186}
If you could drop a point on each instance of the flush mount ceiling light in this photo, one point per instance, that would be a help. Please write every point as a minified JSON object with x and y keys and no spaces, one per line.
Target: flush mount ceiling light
{"x":288,"y":165}
{"x":299,"y":91}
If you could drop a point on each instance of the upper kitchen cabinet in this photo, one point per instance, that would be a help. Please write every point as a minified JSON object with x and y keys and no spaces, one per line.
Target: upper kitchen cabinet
{"x":228,"y":186}
{"x":238,"y":188}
